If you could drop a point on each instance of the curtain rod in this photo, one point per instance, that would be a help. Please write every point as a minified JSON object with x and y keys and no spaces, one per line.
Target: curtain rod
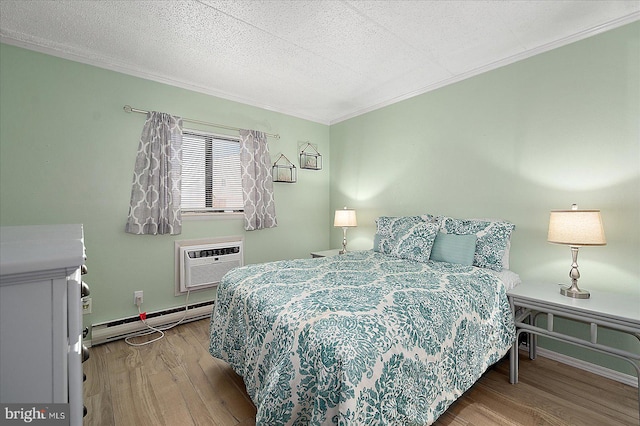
{"x":128,"y":108}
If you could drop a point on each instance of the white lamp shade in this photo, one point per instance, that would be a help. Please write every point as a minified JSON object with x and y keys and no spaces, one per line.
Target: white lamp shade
{"x":345,"y":218}
{"x":576,"y":228}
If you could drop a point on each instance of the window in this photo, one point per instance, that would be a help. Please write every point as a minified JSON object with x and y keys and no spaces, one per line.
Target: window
{"x":210,"y":173}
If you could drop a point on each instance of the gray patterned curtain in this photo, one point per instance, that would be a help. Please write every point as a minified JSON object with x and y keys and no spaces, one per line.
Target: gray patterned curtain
{"x":155,"y":192}
{"x":257,"y":184}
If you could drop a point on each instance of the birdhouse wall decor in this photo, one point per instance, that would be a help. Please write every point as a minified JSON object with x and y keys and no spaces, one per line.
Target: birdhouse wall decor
{"x":284,"y":170}
{"x":310,"y":158}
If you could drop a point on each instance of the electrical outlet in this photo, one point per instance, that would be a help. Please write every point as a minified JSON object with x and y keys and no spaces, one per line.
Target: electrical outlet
{"x":137,"y":298}
{"x":86,"y":305}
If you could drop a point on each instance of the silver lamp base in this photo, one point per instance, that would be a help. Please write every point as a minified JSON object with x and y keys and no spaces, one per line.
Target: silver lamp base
{"x":344,"y":241}
{"x":575,"y":292}
{"x":574,"y":274}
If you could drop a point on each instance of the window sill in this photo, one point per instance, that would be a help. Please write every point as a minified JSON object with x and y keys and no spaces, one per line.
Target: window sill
{"x":212,"y":216}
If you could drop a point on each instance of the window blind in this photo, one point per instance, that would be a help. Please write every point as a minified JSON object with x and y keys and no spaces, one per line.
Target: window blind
{"x":211,"y":179}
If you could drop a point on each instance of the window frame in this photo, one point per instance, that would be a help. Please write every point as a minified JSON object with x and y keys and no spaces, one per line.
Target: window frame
{"x":207,"y":213}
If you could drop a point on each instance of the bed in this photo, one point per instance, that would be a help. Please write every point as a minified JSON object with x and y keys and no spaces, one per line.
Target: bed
{"x":384,"y":336}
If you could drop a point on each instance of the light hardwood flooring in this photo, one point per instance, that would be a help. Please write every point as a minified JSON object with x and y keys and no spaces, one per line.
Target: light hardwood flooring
{"x":176,"y":382}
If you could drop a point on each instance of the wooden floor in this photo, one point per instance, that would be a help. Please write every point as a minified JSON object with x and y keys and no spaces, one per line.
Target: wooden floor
{"x":176,"y":382}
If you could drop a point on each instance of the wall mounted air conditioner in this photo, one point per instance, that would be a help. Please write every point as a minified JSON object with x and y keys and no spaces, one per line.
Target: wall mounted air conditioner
{"x":203,"y":265}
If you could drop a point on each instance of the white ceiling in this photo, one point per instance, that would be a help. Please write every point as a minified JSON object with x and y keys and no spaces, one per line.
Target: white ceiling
{"x":325,"y":61}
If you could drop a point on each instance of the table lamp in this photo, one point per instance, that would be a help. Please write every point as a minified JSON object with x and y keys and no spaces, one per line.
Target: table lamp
{"x":576,"y":228}
{"x":345,"y":218}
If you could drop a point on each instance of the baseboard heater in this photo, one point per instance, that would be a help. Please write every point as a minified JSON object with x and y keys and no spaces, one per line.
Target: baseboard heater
{"x":119,"y":329}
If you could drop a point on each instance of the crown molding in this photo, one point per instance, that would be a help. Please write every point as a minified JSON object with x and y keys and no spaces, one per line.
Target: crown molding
{"x":136,"y":72}
{"x":627,"y":19}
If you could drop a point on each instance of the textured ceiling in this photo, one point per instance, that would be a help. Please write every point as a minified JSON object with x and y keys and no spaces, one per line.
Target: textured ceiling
{"x":320,"y":60}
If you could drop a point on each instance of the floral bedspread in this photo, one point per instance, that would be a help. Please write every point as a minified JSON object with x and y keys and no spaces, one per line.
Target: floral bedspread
{"x":359,"y":339}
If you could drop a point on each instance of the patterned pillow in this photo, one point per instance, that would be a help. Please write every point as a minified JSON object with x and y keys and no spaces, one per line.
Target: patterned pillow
{"x":416,"y":243}
{"x":505,"y":257}
{"x":408,"y":237}
{"x":492,"y":239}
{"x":387,"y":226}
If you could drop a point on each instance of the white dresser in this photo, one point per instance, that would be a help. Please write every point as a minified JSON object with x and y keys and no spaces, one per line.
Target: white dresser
{"x":41,"y":351}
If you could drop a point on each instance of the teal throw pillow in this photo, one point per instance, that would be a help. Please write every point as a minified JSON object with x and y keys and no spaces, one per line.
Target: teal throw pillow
{"x":454,"y":248}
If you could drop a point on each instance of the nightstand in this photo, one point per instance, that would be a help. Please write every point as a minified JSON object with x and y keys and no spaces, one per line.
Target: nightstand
{"x":325,"y":253}
{"x":608,"y":310}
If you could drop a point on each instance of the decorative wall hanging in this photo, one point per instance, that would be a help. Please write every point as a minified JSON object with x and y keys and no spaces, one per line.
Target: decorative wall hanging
{"x":310,"y":158}
{"x":284,"y":170}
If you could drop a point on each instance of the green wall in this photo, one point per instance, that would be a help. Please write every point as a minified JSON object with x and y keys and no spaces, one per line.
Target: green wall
{"x":540,"y":134}
{"x":67,"y":151}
